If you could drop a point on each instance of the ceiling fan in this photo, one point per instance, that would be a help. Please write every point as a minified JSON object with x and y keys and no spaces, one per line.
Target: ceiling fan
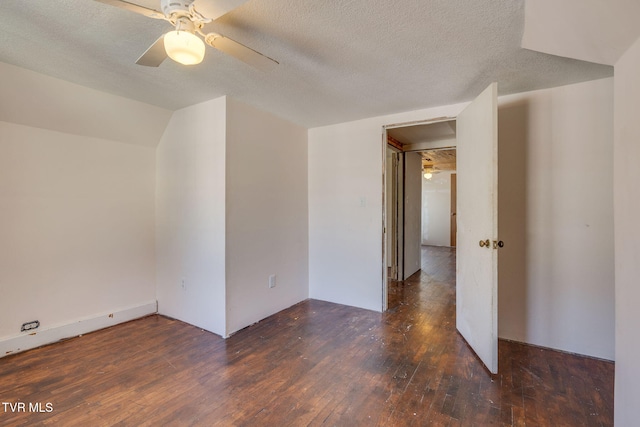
{"x":191,"y":19}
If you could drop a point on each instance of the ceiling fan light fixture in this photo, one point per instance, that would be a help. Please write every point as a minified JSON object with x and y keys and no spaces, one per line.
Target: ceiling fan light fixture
{"x":184,"y":47}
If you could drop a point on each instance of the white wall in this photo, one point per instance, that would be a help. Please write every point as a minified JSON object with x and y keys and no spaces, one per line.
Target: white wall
{"x":231,"y":210}
{"x":77,"y":170}
{"x":627,"y":233}
{"x":436,"y":209}
{"x":559,"y":292}
{"x":556,"y":218}
{"x":190,"y":216}
{"x":76,"y":226}
{"x":266,"y":214}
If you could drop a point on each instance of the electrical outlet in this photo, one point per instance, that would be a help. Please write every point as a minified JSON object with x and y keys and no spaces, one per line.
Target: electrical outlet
{"x":272,"y":281}
{"x":30,"y":325}
{"x":183,"y":284}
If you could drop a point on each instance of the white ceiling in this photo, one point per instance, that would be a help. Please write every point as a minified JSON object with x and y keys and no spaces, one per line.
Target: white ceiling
{"x":424,"y":133}
{"x":339,"y":60}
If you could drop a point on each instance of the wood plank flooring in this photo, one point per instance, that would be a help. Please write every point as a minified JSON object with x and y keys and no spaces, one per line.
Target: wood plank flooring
{"x":316,"y":363}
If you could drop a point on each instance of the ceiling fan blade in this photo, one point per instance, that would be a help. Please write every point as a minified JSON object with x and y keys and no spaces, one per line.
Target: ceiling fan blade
{"x":122,"y":4}
{"x":240,"y":51}
{"x":213,"y":9}
{"x":154,"y":56}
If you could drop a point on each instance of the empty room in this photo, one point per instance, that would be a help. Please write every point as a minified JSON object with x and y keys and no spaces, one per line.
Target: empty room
{"x":210,"y":215}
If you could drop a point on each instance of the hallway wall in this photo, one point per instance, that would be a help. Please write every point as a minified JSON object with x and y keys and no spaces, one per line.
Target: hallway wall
{"x":436,"y":210}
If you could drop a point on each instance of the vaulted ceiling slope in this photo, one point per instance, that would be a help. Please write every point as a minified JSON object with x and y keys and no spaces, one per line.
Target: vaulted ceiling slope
{"x":339,"y":60}
{"x":590,"y":30}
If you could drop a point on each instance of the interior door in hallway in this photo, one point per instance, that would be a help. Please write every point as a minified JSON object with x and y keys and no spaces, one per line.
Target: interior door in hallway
{"x":477,"y":223}
{"x":454,"y":220}
{"x":412,"y":213}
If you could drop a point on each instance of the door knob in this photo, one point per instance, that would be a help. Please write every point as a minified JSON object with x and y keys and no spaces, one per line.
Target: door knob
{"x":485,"y":243}
{"x":498,"y":244}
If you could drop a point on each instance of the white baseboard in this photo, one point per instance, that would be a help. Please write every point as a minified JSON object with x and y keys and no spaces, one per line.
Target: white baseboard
{"x":29,"y":340}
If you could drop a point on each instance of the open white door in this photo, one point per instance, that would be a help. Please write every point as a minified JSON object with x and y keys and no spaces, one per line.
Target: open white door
{"x":477,"y":212}
{"x":412,"y":213}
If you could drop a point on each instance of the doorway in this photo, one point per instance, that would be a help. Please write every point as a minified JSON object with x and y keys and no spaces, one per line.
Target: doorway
{"x":417,"y":154}
{"x":477,"y":242}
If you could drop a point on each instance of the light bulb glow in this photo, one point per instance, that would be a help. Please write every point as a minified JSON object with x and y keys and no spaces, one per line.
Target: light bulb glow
{"x":184,"y":47}
{"x":428,"y":175}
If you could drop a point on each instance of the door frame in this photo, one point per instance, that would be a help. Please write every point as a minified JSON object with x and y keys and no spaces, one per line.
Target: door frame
{"x":393,"y":227}
{"x":454,"y":210}
{"x":385,"y":220}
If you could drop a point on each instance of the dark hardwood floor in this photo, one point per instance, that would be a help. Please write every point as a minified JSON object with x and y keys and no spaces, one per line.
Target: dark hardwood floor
{"x":316,"y":363}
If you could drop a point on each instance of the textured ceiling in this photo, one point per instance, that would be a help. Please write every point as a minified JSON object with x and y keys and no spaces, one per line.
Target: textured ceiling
{"x":339,"y":60}
{"x":439,"y":160}
{"x":424,"y":133}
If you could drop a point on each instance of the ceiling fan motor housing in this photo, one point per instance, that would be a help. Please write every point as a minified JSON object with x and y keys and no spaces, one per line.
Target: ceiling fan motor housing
{"x":179,"y":7}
